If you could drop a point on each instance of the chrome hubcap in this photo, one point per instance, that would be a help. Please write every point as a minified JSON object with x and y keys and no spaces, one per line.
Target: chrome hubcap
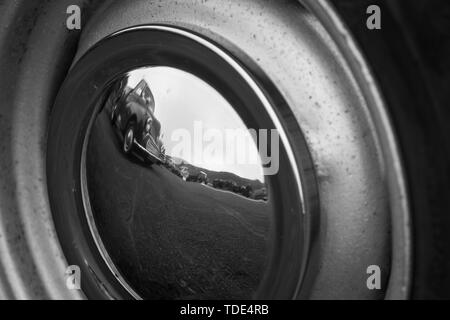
{"x":334,"y":146}
{"x":211,"y":220}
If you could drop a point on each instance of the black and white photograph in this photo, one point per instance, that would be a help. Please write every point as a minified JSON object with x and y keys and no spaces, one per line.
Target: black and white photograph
{"x":224,"y":154}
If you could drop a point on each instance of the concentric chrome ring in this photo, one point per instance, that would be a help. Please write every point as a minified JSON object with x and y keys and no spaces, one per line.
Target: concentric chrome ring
{"x":383,"y":176}
{"x":295,"y":201}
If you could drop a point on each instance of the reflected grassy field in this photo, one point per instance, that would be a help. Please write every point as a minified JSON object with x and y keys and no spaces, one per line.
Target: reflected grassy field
{"x":173,"y":239}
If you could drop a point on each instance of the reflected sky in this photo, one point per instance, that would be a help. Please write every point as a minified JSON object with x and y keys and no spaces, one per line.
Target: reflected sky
{"x":183,"y":101}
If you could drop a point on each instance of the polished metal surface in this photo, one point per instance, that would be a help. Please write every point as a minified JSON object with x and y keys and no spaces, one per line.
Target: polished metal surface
{"x":115,"y":87}
{"x":176,"y":211}
{"x":335,"y":112}
{"x":399,"y":286}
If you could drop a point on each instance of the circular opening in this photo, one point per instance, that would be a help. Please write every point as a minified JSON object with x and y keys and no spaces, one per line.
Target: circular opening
{"x":182,"y":210}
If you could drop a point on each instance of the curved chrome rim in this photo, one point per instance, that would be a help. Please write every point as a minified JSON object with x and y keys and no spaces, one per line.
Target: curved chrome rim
{"x":91,"y":221}
{"x":268,"y":108}
{"x":401,"y":269}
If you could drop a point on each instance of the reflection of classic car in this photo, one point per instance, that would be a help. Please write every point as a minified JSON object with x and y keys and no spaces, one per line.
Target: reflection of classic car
{"x":132,"y":113}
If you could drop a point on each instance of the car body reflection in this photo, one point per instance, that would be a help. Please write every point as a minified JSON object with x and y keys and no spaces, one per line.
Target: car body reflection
{"x":132,"y":113}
